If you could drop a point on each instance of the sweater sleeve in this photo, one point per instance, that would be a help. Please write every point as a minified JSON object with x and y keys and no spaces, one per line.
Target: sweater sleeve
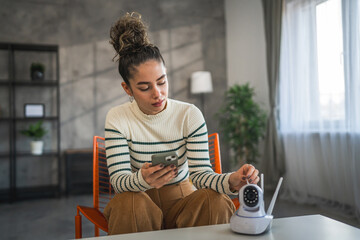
{"x":197,"y":147}
{"x":122,"y":177}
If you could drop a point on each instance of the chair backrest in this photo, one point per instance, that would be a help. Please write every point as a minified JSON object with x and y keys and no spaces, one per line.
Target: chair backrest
{"x":102,"y":189}
{"x":214,"y":152}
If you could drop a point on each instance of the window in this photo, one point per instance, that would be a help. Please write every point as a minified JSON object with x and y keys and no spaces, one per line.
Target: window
{"x":319,"y":88}
{"x":330,"y":61}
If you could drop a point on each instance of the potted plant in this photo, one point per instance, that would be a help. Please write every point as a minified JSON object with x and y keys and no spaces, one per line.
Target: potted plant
{"x":243,"y":123}
{"x":36,"y":132}
{"x":37,"y":71}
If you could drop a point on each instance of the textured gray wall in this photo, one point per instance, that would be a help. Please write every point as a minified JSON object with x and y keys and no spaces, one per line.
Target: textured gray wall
{"x":190,"y":35}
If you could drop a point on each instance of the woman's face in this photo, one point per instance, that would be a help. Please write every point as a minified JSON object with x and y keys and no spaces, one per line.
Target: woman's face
{"x":149,"y":87}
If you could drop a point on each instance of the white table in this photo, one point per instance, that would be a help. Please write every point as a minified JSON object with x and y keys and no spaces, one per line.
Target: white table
{"x":310,"y":227}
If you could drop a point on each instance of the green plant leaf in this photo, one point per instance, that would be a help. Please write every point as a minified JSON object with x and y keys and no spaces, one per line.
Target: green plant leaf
{"x":242,"y":121}
{"x":35,"y":131}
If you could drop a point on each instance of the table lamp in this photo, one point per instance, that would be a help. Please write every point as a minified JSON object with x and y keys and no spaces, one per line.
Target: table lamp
{"x":201,"y":83}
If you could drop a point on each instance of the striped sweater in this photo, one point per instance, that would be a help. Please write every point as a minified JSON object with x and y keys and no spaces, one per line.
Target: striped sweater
{"x":131,"y":137}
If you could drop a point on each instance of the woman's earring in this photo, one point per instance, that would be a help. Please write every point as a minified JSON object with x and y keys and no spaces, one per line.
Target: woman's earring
{"x":131,"y":98}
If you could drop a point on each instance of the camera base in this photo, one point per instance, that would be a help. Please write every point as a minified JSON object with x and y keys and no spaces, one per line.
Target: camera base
{"x":250,"y":225}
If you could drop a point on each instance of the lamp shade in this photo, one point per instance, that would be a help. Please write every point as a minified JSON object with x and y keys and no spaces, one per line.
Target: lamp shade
{"x":201,"y":82}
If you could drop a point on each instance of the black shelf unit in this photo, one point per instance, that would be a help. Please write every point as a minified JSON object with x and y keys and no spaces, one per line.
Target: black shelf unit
{"x":19,"y":78}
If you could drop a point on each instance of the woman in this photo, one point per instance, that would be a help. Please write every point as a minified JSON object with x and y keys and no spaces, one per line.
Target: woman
{"x":157,"y":197}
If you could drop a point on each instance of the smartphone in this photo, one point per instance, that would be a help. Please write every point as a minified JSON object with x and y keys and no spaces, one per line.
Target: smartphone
{"x":167,"y":158}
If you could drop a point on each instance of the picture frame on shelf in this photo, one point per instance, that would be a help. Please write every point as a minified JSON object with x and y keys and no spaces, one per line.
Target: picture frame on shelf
{"x":34,"y":110}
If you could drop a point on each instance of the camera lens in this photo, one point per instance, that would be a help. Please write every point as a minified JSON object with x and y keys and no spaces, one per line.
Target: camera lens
{"x":251,"y":196}
{"x":170,"y":158}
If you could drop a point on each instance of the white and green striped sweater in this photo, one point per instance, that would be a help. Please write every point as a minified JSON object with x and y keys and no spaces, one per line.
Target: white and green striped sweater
{"x":131,"y":137}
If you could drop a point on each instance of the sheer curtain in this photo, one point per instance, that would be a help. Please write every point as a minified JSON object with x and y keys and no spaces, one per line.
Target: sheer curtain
{"x":320,"y":102}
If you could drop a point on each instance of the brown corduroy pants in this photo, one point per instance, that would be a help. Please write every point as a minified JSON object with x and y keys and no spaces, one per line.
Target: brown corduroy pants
{"x":173,"y":206}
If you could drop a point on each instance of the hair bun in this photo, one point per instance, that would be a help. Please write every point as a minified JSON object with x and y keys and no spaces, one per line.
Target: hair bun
{"x":129,"y":34}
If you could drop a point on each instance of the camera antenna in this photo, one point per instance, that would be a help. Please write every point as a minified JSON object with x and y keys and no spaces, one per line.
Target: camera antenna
{"x":273,"y":200}
{"x":262,"y":182}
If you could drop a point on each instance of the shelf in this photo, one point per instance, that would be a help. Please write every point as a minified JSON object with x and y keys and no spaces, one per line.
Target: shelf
{"x":4,"y":195}
{"x":3,"y":119}
{"x":36,"y":119}
{"x":45,"y":83}
{"x":6,"y":119}
{"x":28,"y":83}
{"x":29,"y":47}
{"x":4,"y":83}
{"x":35,"y":47}
{"x":4,"y":155}
{"x":45,"y":154}
{"x":28,"y":154}
{"x":37,"y":192}
{"x":16,"y":83}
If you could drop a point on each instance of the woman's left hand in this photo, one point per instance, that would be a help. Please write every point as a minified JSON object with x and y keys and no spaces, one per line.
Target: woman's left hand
{"x":246,"y":172}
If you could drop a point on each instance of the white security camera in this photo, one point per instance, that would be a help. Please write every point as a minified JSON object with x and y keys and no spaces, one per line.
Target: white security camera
{"x":251,"y":201}
{"x":251,"y":218}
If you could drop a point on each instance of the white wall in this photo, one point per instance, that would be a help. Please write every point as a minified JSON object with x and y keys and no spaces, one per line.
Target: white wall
{"x":245,"y":47}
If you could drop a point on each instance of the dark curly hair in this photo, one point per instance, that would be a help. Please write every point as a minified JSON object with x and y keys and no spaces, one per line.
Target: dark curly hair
{"x":130,"y":40}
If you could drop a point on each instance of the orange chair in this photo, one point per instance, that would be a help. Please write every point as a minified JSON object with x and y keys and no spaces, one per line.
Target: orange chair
{"x":215,"y":158}
{"x":102,"y":189}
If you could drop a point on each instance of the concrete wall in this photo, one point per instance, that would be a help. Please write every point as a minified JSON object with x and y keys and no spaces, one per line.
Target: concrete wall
{"x":190,"y":34}
{"x":246,"y":49}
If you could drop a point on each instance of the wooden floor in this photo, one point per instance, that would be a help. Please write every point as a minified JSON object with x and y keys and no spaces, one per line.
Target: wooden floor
{"x":54,"y":218}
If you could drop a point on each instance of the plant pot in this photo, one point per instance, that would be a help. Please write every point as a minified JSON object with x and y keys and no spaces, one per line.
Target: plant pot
{"x":37,"y":75}
{"x":37,"y":147}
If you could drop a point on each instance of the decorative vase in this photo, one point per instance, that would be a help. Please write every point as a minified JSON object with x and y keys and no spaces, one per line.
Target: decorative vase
{"x":37,"y":147}
{"x":37,"y":75}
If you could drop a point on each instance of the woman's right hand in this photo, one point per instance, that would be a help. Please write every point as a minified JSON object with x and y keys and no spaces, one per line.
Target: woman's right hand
{"x":157,"y":176}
